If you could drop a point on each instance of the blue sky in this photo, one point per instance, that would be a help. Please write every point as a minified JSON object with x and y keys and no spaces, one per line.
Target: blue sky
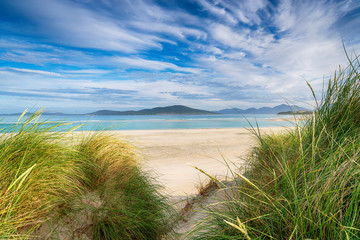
{"x":76,"y":56}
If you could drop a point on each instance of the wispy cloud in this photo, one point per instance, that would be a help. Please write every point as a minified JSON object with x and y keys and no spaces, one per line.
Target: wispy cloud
{"x":140,"y":63}
{"x":304,"y":46}
{"x":86,"y":71}
{"x":31,"y":71}
{"x":244,"y":39}
{"x":69,"y":23}
{"x":204,"y":53}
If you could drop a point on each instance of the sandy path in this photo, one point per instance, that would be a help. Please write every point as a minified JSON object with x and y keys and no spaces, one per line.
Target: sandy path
{"x":167,"y":151}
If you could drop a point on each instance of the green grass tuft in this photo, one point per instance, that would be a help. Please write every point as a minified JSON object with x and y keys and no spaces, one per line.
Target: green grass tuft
{"x":55,"y":187}
{"x":302,"y":184}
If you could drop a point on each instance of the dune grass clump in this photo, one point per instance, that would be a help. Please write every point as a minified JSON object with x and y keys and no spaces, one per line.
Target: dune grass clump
{"x":122,"y":202}
{"x":52,"y":187}
{"x":36,"y":175}
{"x":301,"y":184}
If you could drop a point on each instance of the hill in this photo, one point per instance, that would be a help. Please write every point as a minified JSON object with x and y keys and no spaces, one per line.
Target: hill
{"x":176,"y":109}
{"x":262,"y":110}
{"x":180,"y":109}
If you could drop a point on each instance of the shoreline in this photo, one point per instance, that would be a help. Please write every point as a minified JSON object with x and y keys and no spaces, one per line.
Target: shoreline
{"x":166,"y":153}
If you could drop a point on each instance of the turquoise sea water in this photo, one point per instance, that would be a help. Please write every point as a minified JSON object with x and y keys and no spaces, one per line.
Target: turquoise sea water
{"x":144,"y":122}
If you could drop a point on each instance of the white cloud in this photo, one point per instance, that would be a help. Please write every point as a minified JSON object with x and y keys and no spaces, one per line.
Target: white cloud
{"x":308,"y":48}
{"x":71,"y":24}
{"x":86,"y":71}
{"x":214,"y":50}
{"x":285,"y":18}
{"x":31,"y":71}
{"x":252,"y":41}
{"x":52,"y":92}
{"x":229,"y":47}
{"x":246,"y":11}
{"x":140,"y":63}
{"x":179,"y":32}
{"x":311,"y":47}
{"x":235,"y":55}
{"x":218,"y":11}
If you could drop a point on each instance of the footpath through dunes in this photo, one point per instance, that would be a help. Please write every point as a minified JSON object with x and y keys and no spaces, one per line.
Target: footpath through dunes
{"x":167,"y":154}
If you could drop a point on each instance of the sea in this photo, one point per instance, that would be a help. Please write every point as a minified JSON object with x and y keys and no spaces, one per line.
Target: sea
{"x":146,"y":122}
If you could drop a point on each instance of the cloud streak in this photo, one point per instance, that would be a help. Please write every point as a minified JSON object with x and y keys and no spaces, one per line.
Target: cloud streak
{"x":145,"y":53}
{"x":31,"y":71}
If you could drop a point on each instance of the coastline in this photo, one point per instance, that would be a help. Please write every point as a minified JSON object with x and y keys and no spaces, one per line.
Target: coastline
{"x":165,"y":153}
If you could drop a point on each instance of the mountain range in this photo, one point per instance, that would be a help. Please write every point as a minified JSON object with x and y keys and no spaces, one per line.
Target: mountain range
{"x":180,"y":109}
{"x":263,"y":110}
{"x":176,"y":109}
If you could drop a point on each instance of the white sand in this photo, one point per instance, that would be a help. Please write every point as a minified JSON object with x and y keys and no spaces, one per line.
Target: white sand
{"x":167,"y":151}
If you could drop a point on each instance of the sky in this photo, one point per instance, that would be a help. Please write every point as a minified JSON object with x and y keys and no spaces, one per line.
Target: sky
{"x":77,"y":56}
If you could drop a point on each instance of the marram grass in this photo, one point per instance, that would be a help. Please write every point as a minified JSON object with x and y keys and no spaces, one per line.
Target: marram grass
{"x":35,"y":176}
{"x":52,"y":187}
{"x":301,"y":184}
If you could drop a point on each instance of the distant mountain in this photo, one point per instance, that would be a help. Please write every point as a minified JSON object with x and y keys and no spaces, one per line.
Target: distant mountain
{"x":263,"y":110}
{"x":176,"y":109}
{"x":180,"y":109}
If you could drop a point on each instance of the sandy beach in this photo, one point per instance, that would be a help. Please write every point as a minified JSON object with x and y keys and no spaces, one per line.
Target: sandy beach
{"x":167,"y":152}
